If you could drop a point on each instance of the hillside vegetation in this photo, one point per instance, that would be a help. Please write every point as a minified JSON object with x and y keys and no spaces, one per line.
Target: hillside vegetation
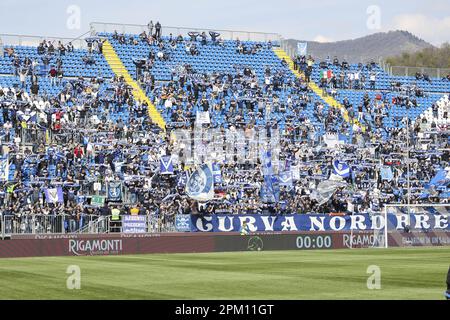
{"x":431,"y":57}
{"x":371,"y":47}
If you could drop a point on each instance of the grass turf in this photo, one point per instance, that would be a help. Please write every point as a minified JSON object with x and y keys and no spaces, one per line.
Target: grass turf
{"x":406,"y":273}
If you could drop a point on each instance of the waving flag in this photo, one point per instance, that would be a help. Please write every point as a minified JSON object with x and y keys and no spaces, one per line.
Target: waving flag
{"x":202,"y":117}
{"x":386,"y":173}
{"x":200,"y":185}
{"x":341,"y":168}
{"x":325,"y":190}
{"x":166,"y":165}
{"x":181,"y":179}
{"x":54,"y":195}
{"x":302,"y":48}
{"x":285,"y":178}
{"x":332,"y":140}
{"x":270,"y":190}
{"x":217,"y":174}
{"x":114,"y":191}
{"x":267,"y":163}
{"x":4,"y":169}
{"x":295,"y":171}
{"x":442,"y":178}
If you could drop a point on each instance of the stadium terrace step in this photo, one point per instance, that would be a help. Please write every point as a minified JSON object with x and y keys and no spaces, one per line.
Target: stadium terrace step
{"x":119,"y":69}
{"x":281,"y":54}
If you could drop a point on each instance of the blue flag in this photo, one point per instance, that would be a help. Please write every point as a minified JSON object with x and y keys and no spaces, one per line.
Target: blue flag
{"x":267,"y":163}
{"x":217,"y":174}
{"x":442,"y":178}
{"x":166,"y":165}
{"x":54,"y":195}
{"x":182,"y":179}
{"x":115,"y":191}
{"x":285,"y":179}
{"x":386,"y":173}
{"x":270,"y":191}
{"x":200,"y":185}
{"x":341,"y":168}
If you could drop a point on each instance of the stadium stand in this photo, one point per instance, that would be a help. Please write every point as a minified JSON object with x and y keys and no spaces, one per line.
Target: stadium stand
{"x":70,"y":134}
{"x":74,"y":63}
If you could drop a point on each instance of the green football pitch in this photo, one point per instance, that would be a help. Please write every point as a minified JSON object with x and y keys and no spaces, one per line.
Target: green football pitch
{"x":406,"y":273}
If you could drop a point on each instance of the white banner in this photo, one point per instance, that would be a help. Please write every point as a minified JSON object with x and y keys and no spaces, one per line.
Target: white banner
{"x":4,"y":169}
{"x":302,"y":48}
{"x":202,"y":117}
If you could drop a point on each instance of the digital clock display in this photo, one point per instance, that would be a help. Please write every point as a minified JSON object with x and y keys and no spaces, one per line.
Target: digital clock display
{"x":314,"y":242}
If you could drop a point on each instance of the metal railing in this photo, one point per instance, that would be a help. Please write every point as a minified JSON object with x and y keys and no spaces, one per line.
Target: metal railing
{"x":23,"y":224}
{"x":29,"y":136}
{"x":411,"y":71}
{"x":34,"y":41}
{"x":95,"y":224}
{"x":33,"y":224}
{"x":108,"y":27}
{"x":290,"y":50}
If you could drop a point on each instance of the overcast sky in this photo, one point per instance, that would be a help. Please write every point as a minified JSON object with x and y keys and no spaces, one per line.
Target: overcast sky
{"x":321,"y":20}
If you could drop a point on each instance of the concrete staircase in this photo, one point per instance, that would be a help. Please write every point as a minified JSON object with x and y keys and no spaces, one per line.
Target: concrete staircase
{"x":281,"y":54}
{"x":119,"y":69}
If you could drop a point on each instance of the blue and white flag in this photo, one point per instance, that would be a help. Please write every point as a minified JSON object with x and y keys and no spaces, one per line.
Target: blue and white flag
{"x":267,"y":163}
{"x":325,"y":190}
{"x":285,"y":178}
{"x":341,"y":168}
{"x":166,"y":165}
{"x":270,"y":190}
{"x":114,"y":191}
{"x":4,"y":169}
{"x":182,"y":179}
{"x":295,"y":171}
{"x":302,"y":48}
{"x":54,"y":195}
{"x":183,"y":222}
{"x":442,"y":178}
{"x":118,"y":166}
{"x":217,"y":174}
{"x":200,"y":185}
{"x":386,"y":173}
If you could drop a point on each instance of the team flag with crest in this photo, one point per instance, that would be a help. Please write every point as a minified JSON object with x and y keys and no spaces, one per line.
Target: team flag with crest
{"x":114,"y":191}
{"x":217,"y":174}
{"x":54,"y":195}
{"x":4,"y":169}
{"x":200,"y":184}
{"x":166,"y":165}
{"x":285,"y":179}
{"x":341,"y":168}
{"x":270,"y":190}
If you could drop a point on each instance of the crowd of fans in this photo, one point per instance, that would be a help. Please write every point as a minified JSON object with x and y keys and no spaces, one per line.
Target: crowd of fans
{"x":95,"y":132}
